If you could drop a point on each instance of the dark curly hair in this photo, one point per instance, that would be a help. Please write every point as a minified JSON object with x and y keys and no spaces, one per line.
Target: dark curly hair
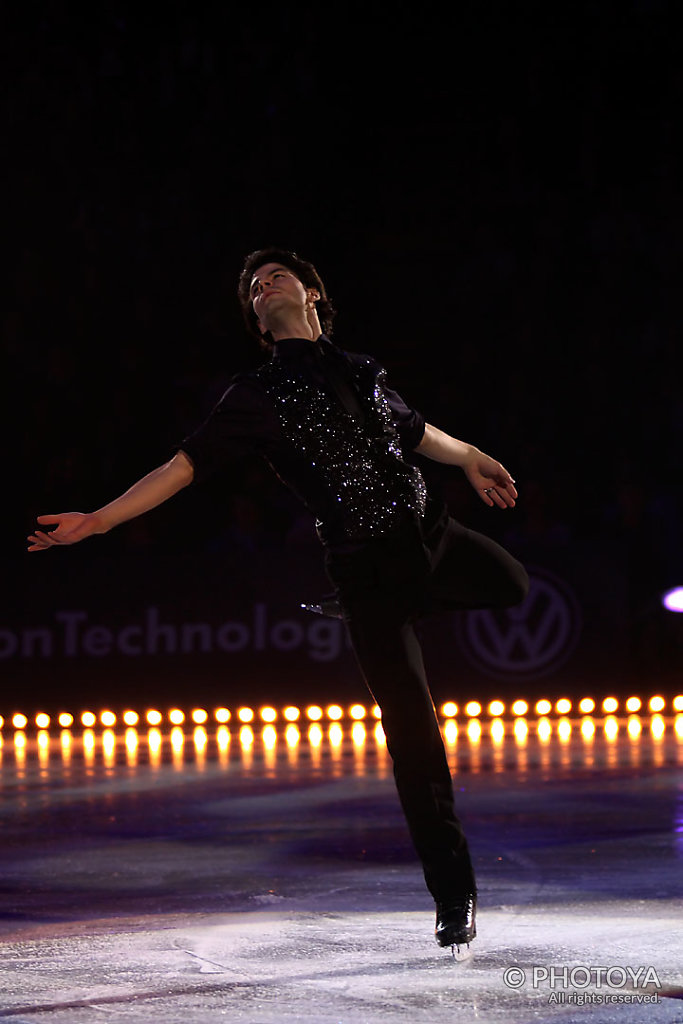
{"x":306,"y":273}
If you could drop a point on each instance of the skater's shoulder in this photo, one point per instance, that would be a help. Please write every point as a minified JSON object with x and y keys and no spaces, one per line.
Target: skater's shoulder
{"x":245,"y":387}
{"x":359,"y":360}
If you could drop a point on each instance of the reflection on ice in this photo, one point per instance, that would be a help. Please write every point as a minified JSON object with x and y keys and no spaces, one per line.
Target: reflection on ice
{"x":520,"y":744}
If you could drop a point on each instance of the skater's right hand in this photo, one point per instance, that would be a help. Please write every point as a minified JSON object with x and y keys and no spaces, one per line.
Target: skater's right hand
{"x":70,"y":528}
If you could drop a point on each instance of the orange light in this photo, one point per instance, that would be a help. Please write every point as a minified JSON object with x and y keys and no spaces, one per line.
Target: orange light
{"x":521,"y":730}
{"x":611,"y":727}
{"x":292,"y":735}
{"x":358,"y":733}
{"x":450,"y":731}
{"x":315,"y":735}
{"x":269,"y":737}
{"x":2,"y":721}
{"x":357,"y":712}
{"x":200,"y":738}
{"x":474,"y":730}
{"x":544,"y":729}
{"x":634,"y":727}
{"x":335,"y":734}
{"x":564,"y":730}
{"x":497,"y":731}
{"x":131,"y":741}
{"x":678,"y":703}
{"x":177,"y":740}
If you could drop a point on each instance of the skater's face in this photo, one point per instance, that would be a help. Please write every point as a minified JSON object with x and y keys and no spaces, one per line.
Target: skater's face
{"x":277,"y":293}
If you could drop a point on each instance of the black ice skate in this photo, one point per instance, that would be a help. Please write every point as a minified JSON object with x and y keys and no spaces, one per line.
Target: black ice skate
{"x":456,"y":924}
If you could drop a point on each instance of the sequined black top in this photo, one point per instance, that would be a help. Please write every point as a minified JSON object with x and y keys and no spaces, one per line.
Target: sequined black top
{"x":343,"y":456}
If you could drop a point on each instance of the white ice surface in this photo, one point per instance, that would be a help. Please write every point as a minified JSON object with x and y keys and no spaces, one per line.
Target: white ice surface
{"x":292,"y":965}
{"x":258,"y":903}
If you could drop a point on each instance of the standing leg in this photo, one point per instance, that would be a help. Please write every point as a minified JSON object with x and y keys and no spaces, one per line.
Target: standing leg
{"x":381,"y":591}
{"x":390,"y":658}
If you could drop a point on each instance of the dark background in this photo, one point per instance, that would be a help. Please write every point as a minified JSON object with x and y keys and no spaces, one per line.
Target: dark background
{"x":489,"y":191}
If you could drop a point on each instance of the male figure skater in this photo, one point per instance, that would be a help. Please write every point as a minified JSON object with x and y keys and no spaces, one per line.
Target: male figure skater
{"x":334,"y":432}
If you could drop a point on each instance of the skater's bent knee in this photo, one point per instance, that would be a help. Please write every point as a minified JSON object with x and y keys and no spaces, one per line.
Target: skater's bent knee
{"x":517,"y":585}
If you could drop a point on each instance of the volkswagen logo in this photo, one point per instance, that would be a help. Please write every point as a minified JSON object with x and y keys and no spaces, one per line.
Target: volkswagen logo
{"x":531,"y":640}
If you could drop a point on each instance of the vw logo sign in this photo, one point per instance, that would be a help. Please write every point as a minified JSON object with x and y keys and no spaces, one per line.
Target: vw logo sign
{"x":533,"y":639}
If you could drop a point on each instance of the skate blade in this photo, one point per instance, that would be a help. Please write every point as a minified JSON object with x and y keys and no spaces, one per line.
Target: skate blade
{"x":460,"y":952}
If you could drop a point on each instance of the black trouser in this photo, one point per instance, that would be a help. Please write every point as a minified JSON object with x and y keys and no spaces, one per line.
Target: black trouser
{"x":383,"y":588}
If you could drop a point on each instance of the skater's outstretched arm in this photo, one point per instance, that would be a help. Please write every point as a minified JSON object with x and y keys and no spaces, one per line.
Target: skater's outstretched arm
{"x":159,"y":485}
{"x":491,"y":481}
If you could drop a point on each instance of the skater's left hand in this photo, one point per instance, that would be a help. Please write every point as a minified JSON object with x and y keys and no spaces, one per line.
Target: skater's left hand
{"x":491,"y":481}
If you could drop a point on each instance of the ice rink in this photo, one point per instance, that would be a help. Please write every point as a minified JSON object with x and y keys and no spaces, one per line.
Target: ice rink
{"x":263,"y":873}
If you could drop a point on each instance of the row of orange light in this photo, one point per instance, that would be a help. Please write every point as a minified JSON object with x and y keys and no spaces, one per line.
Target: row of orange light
{"x":199,"y":716}
{"x":270,"y":736}
{"x":335,"y":712}
{"x":563,"y":706}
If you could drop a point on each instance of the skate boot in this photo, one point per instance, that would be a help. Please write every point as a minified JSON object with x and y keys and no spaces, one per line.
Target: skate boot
{"x":456,"y":924}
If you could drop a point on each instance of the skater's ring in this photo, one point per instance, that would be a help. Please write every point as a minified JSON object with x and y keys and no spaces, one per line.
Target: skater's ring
{"x":487,"y":490}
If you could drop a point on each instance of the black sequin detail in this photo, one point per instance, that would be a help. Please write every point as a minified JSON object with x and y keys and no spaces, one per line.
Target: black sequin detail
{"x":353,"y":478}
